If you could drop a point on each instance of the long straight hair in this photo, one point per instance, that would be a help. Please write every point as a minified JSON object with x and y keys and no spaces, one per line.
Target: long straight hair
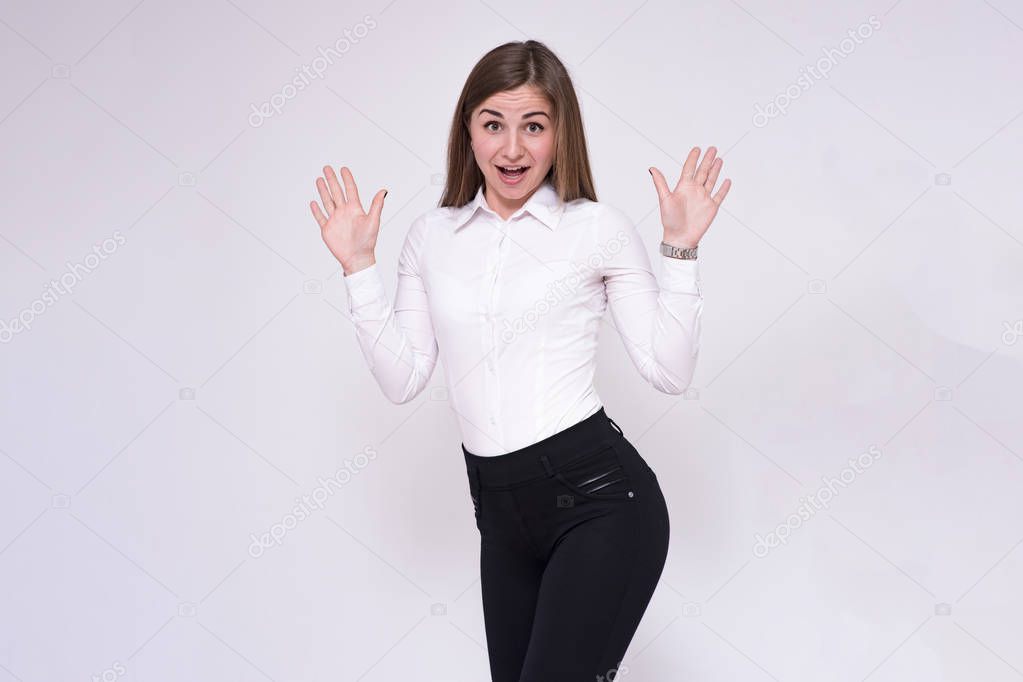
{"x":507,"y":67}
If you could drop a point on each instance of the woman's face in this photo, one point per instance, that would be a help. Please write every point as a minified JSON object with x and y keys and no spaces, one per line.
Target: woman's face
{"x":509,"y":130}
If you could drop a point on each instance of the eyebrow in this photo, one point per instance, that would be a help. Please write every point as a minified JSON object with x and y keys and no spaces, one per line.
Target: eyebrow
{"x":500,"y":115}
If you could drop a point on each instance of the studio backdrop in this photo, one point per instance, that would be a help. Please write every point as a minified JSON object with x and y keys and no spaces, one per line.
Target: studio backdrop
{"x":201,"y":480}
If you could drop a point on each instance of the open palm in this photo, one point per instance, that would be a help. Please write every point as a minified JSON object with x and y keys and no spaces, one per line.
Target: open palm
{"x":349,"y":232}
{"x":688,"y":210}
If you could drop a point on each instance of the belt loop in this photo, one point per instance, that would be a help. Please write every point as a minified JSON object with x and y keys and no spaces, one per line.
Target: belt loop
{"x":547,"y":465}
{"x":616,"y":427}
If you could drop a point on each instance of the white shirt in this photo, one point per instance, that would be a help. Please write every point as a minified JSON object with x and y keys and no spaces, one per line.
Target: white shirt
{"x":514,"y":308}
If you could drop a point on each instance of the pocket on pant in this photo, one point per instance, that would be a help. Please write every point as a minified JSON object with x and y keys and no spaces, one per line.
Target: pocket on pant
{"x":599,"y":476}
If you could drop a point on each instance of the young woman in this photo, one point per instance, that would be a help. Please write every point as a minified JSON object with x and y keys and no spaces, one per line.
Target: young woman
{"x":509,"y":277}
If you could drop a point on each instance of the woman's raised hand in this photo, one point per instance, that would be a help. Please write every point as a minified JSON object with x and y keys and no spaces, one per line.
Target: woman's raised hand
{"x":348,"y":231}
{"x":688,"y":210}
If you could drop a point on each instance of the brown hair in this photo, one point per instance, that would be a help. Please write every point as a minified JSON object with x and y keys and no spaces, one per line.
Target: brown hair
{"x":507,"y":67}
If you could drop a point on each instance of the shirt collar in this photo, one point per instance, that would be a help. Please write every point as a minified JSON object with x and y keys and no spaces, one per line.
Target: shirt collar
{"x":544,"y":204}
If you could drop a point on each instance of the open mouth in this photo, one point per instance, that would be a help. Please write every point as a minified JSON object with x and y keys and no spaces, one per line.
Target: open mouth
{"x":513,"y":172}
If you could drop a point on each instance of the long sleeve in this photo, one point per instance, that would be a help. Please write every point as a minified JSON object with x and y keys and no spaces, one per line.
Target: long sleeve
{"x":398,"y":340}
{"x":659,"y":325}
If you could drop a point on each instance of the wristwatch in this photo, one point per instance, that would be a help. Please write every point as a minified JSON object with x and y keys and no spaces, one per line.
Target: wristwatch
{"x":678,"y":251}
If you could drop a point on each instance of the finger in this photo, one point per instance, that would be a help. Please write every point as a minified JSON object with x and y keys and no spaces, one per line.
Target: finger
{"x":377,"y":207}
{"x":328,"y":203}
{"x":335,"y":187}
{"x":688,"y":168}
{"x":713,"y":177}
{"x":705,"y":165}
{"x":318,"y":214}
{"x":351,"y":191}
{"x":659,"y":183}
{"x":723,"y":192}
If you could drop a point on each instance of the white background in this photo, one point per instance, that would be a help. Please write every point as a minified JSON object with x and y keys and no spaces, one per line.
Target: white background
{"x":861,"y":283}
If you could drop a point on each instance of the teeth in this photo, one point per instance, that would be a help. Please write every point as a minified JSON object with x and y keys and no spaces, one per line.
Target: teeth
{"x":512,"y":168}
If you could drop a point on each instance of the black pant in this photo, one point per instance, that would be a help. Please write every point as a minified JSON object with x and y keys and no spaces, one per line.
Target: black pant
{"x":574,"y":535}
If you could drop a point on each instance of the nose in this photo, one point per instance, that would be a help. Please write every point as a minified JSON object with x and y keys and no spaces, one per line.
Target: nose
{"x":514,"y":149}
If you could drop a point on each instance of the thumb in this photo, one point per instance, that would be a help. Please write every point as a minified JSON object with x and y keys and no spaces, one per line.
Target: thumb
{"x":377,"y":207}
{"x":659,"y":183}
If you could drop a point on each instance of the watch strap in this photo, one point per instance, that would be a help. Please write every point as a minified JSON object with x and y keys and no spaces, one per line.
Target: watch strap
{"x":678,"y":251}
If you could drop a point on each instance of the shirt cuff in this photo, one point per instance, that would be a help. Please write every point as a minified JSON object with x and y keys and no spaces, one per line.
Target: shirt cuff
{"x":681,"y":275}
{"x":364,"y":287}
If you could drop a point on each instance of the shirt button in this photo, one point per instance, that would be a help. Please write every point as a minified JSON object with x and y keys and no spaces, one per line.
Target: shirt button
{"x":492,"y":420}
